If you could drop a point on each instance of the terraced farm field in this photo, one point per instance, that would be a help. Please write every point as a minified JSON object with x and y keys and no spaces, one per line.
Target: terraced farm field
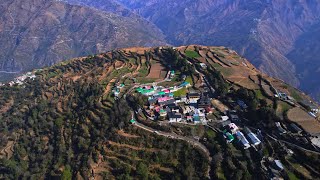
{"x":73,"y":119}
{"x":308,"y":123}
{"x":157,"y":70}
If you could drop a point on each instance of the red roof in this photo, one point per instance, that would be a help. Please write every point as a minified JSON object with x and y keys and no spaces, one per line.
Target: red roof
{"x":208,"y":109}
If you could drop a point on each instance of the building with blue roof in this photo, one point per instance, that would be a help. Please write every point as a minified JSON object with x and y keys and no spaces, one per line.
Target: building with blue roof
{"x":252,"y":137}
{"x":184,"y":84}
{"x":196,"y":119}
{"x":243,"y":140}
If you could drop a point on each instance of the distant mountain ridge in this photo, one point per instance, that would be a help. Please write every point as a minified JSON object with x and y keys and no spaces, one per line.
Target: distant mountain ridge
{"x":113,"y":6}
{"x":304,"y":57}
{"x":39,"y":33}
{"x":278,"y":37}
{"x":265,"y":32}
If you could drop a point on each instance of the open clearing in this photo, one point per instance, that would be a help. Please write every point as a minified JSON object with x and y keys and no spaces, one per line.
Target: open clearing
{"x":244,"y":82}
{"x":156,"y":70}
{"x":308,"y":123}
{"x":219,"y":105}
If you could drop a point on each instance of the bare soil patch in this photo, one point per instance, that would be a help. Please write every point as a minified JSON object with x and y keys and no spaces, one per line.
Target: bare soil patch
{"x":203,"y":53}
{"x":182,"y":48}
{"x":190,"y":48}
{"x":215,"y":60}
{"x":75,"y":78}
{"x":155,"y":71}
{"x":49,"y":95}
{"x":7,"y":152}
{"x":219,"y":105}
{"x":161,"y":168}
{"x":308,"y":123}
{"x":59,"y":106}
{"x":109,"y":86}
{"x":122,"y":133}
{"x":244,"y":82}
{"x":255,"y":79}
{"x":266,"y":88}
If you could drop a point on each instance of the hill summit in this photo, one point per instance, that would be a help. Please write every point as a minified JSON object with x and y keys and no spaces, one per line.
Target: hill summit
{"x":184,"y":112}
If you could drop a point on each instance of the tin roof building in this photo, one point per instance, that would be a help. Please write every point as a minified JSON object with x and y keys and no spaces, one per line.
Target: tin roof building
{"x":245,"y":143}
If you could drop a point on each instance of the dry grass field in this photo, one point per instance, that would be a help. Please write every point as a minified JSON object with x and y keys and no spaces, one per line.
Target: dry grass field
{"x":219,"y":105}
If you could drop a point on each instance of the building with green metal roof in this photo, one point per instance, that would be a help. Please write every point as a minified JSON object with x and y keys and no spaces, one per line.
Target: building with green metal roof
{"x":132,"y":121}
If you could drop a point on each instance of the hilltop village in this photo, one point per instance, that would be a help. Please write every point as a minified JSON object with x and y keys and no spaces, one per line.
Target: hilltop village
{"x":178,"y":100}
{"x":157,"y":113}
{"x":183,"y":104}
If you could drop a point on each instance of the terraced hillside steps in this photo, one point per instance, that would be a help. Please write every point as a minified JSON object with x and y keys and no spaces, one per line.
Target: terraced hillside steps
{"x":68,"y":123}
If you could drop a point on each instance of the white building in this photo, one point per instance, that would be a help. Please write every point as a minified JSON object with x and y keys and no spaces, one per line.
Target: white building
{"x":224,"y":118}
{"x":175,"y":117}
{"x":203,"y":65}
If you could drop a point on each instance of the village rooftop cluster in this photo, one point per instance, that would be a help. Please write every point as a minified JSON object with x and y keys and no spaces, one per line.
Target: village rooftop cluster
{"x":20,"y":80}
{"x":190,"y":108}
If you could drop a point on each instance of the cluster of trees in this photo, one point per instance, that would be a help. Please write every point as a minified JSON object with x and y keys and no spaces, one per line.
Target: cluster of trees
{"x":249,"y":97}
{"x":173,"y":59}
{"x":185,"y":161}
{"x":225,"y":164}
{"x":53,"y":139}
{"x":258,"y":109}
{"x":137,"y":101}
{"x":217,"y":81}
